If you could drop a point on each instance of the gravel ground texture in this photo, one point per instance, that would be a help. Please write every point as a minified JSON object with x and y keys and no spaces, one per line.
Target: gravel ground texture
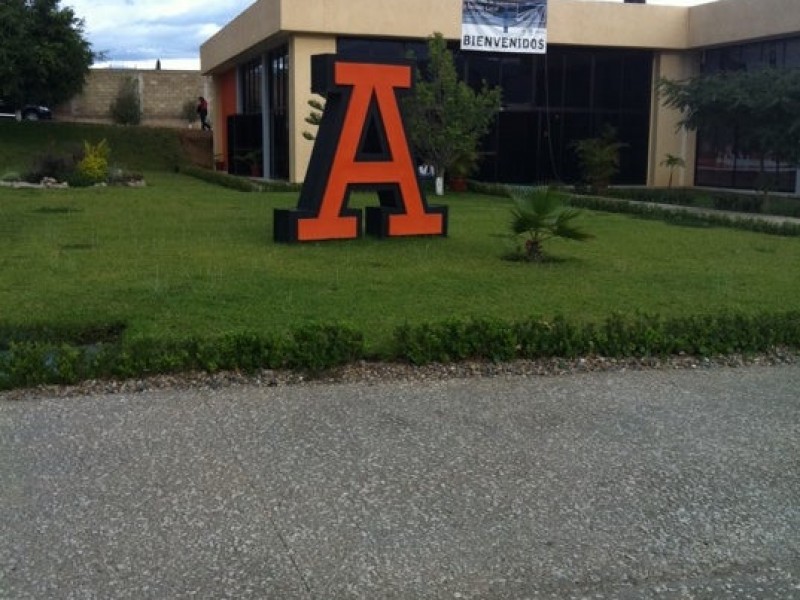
{"x":581,"y":479}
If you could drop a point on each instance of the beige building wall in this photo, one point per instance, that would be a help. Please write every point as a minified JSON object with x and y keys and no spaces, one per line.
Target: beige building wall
{"x":301,"y":50}
{"x":617,"y":25}
{"x":666,"y":137}
{"x":738,"y":21}
{"x":569,"y":22}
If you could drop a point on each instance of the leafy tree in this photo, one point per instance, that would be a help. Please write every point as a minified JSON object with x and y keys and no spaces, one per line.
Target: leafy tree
{"x":762,"y":107}
{"x":539,"y":215}
{"x":446,"y":118}
{"x":43,"y":54}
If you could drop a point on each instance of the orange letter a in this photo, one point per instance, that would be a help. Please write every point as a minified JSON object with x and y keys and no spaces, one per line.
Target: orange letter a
{"x":361,"y":143}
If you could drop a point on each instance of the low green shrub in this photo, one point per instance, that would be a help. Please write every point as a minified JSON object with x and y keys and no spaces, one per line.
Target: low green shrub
{"x":679,"y":196}
{"x":686,"y":218}
{"x":69,"y":333}
{"x":489,"y":189}
{"x":316,"y":347}
{"x":93,"y":166}
{"x":715,"y":199}
{"x":26,"y":364}
{"x":455,"y":340}
{"x":47,"y":356}
{"x":746,"y":204}
{"x":233,"y":182}
{"x":53,"y":164}
{"x":618,"y":336}
{"x":10,"y":176}
{"x":538,"y":338}
{"x":270,"y":185}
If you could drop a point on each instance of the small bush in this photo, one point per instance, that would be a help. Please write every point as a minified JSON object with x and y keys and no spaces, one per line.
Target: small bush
{"x":599,"y":158}
{"x":317,"y":347}
{"x":53,"y":164}
{"x":93,"y":167}
{"x":189,"y":111}
{"x":126,"y":109}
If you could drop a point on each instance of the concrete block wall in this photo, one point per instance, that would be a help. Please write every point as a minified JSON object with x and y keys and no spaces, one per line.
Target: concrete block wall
{"x":162,"y":95}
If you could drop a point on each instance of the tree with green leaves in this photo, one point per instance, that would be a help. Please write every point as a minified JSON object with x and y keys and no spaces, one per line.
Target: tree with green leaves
{"x":445,"y":118}
{"x":761,"y":107}
{"x":44,"y":56}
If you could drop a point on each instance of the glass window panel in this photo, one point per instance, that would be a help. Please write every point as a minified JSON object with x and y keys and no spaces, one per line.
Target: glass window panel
{"x":483,"y":68}
{"x":608,"y":82}
{"x":637,"y":81}
{"x":792,"y":56}
{"x":550,"y":73}
{"x":578,"y":80}
{"x":516,"y":76}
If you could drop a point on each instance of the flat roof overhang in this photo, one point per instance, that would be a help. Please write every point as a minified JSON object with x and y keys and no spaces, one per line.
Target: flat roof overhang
{"x":266,"y":23}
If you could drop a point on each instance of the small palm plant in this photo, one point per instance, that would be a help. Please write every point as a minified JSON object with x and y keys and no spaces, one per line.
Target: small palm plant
{"x":673,"y":162}
{"x":539,"y":215}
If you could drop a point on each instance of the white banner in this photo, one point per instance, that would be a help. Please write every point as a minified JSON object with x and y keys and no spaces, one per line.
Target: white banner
{"x":517,"y":26}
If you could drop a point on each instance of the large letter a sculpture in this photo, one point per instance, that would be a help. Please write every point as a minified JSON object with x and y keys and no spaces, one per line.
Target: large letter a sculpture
{"x":361,"y":143}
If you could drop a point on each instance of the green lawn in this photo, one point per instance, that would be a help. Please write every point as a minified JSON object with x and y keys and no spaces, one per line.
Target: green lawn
{"x":185,"y":257}
{"x":134,"y":148}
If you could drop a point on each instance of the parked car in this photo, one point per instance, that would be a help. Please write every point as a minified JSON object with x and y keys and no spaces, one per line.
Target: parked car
{"x":27,"y":112}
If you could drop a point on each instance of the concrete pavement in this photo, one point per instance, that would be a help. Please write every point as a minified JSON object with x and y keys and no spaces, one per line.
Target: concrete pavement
{"x":655,"y":484}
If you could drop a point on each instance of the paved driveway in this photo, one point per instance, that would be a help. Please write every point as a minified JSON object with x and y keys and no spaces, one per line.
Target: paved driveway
{"x":659,"y":484}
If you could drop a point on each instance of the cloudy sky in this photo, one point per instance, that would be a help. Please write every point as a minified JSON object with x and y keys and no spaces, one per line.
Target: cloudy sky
{"x":135,"y":33}
{"x":138,"y":32}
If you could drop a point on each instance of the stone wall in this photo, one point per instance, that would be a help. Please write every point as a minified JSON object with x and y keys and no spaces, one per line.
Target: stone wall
{"x":161,"y":93}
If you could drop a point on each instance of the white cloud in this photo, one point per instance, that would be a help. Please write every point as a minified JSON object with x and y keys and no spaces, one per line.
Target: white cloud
{"x":142,"y":31}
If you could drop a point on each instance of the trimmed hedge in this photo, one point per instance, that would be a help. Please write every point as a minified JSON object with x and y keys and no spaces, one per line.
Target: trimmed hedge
{"x":643,"y":207}
{"x":311,"y":347}
{"x":678,"y":216}
{"x":316,"y":347}
{"x":618,"y":336}
{"x":242,"y":184}
{"x":780,"y":205}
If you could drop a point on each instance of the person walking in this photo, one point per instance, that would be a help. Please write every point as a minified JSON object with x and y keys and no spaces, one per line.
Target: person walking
{"x":202,"y":111}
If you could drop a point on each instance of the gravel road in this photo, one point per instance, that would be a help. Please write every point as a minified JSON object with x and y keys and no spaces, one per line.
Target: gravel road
{"x":657,"y":483}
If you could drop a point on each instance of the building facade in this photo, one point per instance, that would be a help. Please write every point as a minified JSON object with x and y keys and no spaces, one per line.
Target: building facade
{"x":600,"y":68}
